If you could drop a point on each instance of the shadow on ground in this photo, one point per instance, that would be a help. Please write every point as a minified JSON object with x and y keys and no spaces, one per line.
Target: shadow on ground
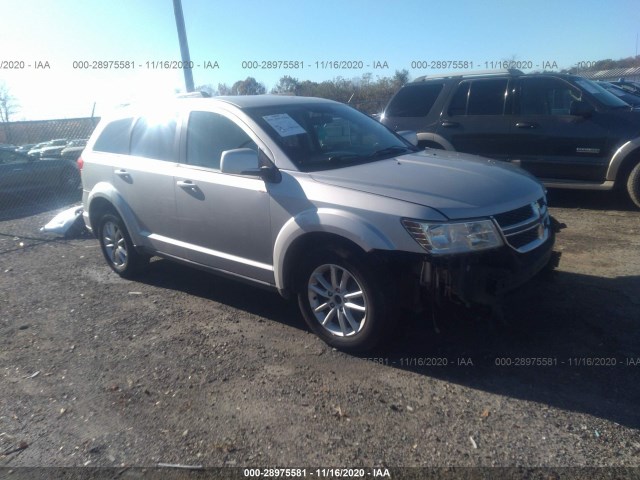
{"x":585,"y":328}
{"x":591,"y":200}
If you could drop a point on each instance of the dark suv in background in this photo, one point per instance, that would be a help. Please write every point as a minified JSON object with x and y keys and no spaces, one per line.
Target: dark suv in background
{"x":567,"y":130}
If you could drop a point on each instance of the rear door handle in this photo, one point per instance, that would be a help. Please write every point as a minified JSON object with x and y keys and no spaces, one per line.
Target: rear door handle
{"x":526,"y":125}
{"x":186,"y":184}
{"x":448,"y":123}
{"x":121,"y":173}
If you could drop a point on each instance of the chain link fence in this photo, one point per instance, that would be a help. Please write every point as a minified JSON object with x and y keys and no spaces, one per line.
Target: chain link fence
{"x":38,"y":170}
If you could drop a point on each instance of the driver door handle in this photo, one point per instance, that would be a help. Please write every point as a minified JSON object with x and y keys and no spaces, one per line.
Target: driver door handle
{"x":526,"y":125}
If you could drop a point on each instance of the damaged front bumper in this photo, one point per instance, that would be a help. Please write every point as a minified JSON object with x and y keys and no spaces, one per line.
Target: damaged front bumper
{"x":478,"y":279}
{"x":483,"y":279}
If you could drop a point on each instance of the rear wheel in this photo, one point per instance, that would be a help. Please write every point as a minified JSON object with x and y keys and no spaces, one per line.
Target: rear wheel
{"x":343,"y":301}
{"x":633,"y":185}
{"x":117,"y":247}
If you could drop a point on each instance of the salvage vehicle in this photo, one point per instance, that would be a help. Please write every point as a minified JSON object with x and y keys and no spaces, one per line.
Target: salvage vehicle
{"x":313,"y":199}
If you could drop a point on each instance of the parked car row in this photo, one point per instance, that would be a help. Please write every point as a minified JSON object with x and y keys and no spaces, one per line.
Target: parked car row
{"x":633,"y":99}
{"x":20,"y":172}
{"x":58,"y":148}
{"x":568,"y":131}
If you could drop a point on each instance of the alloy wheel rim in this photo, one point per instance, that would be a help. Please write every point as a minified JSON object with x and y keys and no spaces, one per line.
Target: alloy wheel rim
{"x":115,"y":245}
{"x":338,"y":302}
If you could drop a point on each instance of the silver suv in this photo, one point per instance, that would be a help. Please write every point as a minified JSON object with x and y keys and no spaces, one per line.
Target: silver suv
{"x":314,"y":199}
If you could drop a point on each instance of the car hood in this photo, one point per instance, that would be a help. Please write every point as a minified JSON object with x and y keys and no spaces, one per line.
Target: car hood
{"x":456,"y":184}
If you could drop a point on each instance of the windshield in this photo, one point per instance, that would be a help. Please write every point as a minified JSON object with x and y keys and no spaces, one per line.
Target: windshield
{"x":607,"y":98}
{"x":325,"y":136}
{"x":623,"y":95}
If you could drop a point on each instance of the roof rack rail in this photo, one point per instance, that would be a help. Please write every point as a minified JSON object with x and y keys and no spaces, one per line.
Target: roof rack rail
{"x":471,"y":73}
{"x":200,"y":94}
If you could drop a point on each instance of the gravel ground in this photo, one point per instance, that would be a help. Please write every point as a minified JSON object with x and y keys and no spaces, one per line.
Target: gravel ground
{"x":182,"y":367}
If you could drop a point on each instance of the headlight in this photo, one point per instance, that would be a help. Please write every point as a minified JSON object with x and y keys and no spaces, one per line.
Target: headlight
{"x":447,"y":238}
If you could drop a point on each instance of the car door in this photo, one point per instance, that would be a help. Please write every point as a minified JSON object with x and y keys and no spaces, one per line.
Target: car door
{"x":549,"y":139}
{"x":474,"y":120}
{"x":224,"y":219}
{"x":143,"y":171}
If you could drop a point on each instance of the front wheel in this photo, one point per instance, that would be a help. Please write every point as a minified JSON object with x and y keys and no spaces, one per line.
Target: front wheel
{"x":343,"y":301}
{"x":117,"y":247}
{"x":633,"y":185}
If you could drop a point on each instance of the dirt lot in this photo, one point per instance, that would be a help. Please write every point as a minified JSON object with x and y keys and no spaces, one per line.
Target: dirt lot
{"x":182,"y":367}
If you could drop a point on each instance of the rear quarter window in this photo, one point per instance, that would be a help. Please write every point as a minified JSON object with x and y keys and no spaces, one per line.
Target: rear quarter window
{"x":414,"y":100}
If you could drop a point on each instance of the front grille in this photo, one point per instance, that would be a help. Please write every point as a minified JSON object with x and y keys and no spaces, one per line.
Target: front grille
{"x":514,"y":216}
{"x":526,"y":227}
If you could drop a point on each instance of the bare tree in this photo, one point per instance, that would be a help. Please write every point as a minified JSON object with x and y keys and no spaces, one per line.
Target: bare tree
{"x":8,"y":104}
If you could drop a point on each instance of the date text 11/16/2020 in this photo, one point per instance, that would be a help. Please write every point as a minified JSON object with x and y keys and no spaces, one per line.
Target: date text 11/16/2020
{"x":508,"y":362}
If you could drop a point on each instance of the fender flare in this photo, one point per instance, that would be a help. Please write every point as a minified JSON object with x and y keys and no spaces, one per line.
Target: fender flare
{"x":106,"y":191}
{"x":621,"y":154}
{"x":432,"y":137}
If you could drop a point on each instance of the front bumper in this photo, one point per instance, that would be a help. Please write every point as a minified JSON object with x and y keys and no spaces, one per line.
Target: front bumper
{"x":484,"y":278}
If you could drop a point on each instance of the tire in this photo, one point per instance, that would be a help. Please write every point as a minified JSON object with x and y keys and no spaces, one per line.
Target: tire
{"x":344,"y":302}
{"x":633,"y":185}
{"x":117,"y":247}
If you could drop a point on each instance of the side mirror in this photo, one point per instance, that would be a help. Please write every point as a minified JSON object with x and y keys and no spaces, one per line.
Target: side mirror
{"x":410,"y":136}
{"x":237,"y":161}
{"x":245,"y":161}
{"x":581,"y":109}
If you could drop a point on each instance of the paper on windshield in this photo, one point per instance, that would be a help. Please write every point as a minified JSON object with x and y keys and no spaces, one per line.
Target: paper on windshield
{"x":284,"y":124}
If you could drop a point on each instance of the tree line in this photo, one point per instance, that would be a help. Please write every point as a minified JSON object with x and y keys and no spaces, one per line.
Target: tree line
{"x":363,"y":92}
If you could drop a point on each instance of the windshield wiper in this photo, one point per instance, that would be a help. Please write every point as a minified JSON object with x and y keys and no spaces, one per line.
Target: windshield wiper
{"x":391,"y":150}
{"x":345,"y":157}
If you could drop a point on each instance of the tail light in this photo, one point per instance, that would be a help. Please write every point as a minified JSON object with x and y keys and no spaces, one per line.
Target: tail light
{"x":80,"y":163}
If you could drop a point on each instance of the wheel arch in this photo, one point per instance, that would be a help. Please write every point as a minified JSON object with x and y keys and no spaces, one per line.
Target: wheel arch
{"x":623,"y":161}
{"x":104,"y":198}
{"x":341,"y":232}
{"x":434,"y":141}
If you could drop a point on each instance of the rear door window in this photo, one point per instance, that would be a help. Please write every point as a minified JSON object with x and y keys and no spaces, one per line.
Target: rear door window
{"x":479,"y":97}
{"x":155,"y":138}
